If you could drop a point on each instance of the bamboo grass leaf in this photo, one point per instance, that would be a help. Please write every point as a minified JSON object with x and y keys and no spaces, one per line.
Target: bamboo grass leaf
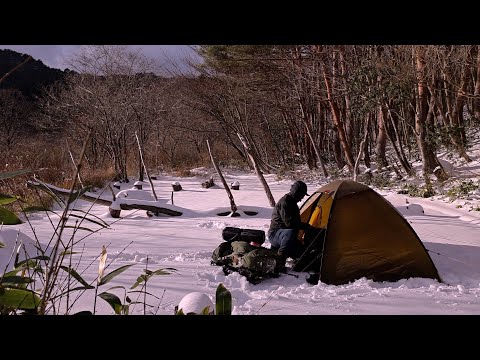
{"x":223,"y":301}
{"x":149,"y":274}
{"x":78,"y":228}
{"x":166,"y":271}
{"x":92,"y":215}
{"x":14,"y":279}
{"x":30,"y":262}
{"x":179,"y":312}
{"x":30,"y":209}
{"x":140,"y":280}
{"x":143,"y":292}
{"x":116,"y":287}
{"x":13,"y":272}
{"x":88,"y":219}
{"x":113,"y":300}
{"x":69,"y":252}
{"x":78,"y":288}
{"x":7,"y":199}
{"x":22,"y":299}
{"x":44,"y":187}
{"x":84,"y":312}
{"x":74,"y":195}
{"x":112,"y":274}
{"x":206,"y":311}
{"x":7,"y":217}
{"x":76,"y":276}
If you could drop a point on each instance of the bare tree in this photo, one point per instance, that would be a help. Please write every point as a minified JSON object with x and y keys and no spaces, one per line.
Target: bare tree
{"x":429,"y":160}
{"x":15,"y":112}
{"x":111,"y":96}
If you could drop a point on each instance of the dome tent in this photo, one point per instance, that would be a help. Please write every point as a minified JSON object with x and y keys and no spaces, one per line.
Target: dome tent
{"x":364,"y":236}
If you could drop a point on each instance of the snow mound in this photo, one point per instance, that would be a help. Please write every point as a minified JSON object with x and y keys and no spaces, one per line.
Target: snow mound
{"x":196,"y":302}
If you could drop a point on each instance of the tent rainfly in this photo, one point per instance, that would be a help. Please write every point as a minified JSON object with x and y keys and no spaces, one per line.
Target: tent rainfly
{"x":364,"y":236}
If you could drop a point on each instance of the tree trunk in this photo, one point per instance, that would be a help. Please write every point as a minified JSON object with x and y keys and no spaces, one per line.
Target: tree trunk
{"x":398,"y":149}
{"x":476,"y":100}
{"x":225,"y":185}
{"x":337,"y":152}
{"x":460,"y":149}
{"x":366,"y":153}
{"x":257,"y":170}
{"x":430,"y":162}
{"x":381,"y":141}
{"x":457,"y":116}
{"x":310,"y":136}
{"x":338,"y":122}
{"x":360,"y":151}
{"x":348,"y":115}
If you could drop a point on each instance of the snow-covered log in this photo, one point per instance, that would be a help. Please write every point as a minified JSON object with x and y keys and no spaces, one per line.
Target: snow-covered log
{"x":152,"y":208}
{"x":114,"y":208}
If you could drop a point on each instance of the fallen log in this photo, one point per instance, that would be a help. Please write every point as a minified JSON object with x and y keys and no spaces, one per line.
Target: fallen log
{"x":154,"y":209}
{"x":113,"y":212}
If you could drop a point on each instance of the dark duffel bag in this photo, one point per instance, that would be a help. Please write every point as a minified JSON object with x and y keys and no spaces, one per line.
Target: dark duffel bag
{"x":251,"y":235}
{"x":231,"y":234}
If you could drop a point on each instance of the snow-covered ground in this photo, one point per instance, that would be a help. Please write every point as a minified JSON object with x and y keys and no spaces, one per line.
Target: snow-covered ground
{"x":449,"y":231}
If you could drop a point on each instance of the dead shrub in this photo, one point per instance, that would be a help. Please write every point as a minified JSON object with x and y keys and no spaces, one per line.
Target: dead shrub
{"x":97,"y":178}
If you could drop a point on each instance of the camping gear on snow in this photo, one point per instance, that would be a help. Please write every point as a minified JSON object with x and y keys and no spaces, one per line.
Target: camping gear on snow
{"x":249,"y":235}
{"x":223,"y":253}
{"x":262,"y":260}
{"x":364,"y":236}
{"x":254,"y":262}
{"x":195,"y":303}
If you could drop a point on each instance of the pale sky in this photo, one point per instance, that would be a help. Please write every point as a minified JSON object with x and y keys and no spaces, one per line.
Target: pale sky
{"x":54,"y":55}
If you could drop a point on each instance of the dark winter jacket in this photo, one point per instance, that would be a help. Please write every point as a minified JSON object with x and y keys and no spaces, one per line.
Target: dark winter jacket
{"x":286,"y":214}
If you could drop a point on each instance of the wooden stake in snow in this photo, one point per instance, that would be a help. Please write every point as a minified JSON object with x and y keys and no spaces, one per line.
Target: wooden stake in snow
{"x":227,"y":189}
{"x":146,"y":170}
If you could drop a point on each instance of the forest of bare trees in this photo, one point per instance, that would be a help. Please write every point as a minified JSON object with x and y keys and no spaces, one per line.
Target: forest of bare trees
{"x":332,"y":108}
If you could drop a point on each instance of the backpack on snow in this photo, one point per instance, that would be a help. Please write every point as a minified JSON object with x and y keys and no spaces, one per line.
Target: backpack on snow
{"x":262,"y":261}
{"x":255,"y":263}
{"x":223,"y":253}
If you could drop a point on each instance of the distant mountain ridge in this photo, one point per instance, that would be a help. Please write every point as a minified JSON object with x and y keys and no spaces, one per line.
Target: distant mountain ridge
{"x":29,"y":78}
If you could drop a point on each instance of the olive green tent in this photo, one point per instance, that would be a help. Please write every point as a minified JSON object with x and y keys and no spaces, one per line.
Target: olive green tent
{"x":365,"y":236}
